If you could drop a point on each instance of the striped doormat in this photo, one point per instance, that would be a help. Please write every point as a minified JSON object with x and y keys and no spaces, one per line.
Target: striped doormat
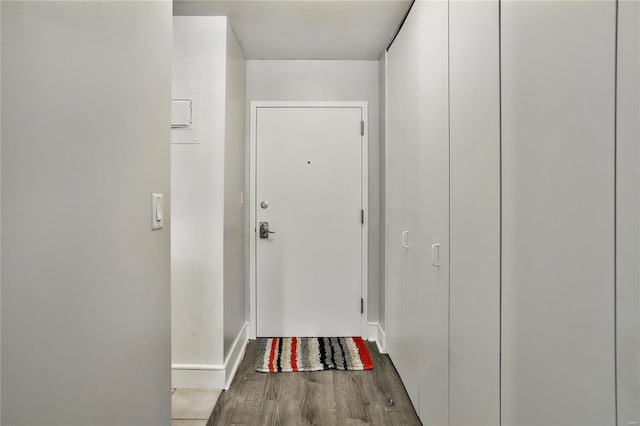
{"x":276,"y":354}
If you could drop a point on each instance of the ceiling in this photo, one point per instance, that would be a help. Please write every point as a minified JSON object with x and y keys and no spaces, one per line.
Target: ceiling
{"x":306,"y":29}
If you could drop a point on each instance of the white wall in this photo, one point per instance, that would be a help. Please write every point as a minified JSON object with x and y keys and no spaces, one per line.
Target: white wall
{"x":330,"y":81}
{"x":207,"y":280}
{"x":197,"y":187}
{"x":234,"y":171}
{"x":628,"y":213}
{"x":85,"y":281}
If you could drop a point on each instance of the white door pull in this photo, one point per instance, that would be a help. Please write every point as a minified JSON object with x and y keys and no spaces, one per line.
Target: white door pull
{"x":435,"y":254}
{"x":405,"y":239}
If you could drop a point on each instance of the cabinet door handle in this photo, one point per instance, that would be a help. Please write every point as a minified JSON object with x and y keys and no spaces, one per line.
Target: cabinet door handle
{"x":435,"y":254}
{"x":405,"y":239}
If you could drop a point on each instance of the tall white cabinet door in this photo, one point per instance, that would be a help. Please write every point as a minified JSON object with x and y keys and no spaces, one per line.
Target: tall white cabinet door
{"x":394,"y":237}
{"x":431,"y":282}
{"x":558,"y":60}
{"x":474,"y":377}
{"x":411,"y":303}
{"x":402,"y":195}
{"x":418,"y":145}
{"x":395,"y":229}
{"x":628,"y":213}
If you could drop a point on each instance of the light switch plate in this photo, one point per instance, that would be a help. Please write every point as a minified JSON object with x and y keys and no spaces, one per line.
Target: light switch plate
{"x":157,"y":211}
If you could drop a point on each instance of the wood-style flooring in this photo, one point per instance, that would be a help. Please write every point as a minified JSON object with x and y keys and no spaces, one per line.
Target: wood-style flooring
{"x":331,"y":398}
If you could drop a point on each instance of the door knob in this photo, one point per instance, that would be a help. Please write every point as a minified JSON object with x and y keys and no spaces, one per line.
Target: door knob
{"x":264,"y":230}
{"x":264,"y":204}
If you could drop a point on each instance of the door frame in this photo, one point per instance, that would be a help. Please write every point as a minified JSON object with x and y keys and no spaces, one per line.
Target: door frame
{"x":364,"y":263}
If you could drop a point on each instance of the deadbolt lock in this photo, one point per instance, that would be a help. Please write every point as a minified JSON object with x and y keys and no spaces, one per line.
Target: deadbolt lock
{"x":264,"y":230}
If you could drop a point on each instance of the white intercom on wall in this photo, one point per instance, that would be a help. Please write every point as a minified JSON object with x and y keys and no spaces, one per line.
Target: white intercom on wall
{"x":181,"y":113}
{"x":185,"y":116}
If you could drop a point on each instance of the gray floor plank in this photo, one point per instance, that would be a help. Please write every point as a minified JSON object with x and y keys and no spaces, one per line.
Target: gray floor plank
{"x":330,"y":398}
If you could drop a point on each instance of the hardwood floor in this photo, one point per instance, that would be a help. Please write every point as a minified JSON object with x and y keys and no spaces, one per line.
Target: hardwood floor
{"x":332,"y":398}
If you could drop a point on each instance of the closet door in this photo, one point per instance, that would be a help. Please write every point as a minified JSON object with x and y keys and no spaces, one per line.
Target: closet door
{"x":418,"y":129}
{"x":558,"y":61}
{"x":396,"y":70}
{"x":402,"y":196}
{"x":474,"y":377}
{"x":431,"y":252}
{"x":628,"y":213}
{"x":395,"y":228}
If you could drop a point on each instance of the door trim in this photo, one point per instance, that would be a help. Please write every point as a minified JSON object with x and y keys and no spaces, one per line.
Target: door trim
{"x":364,"y":284}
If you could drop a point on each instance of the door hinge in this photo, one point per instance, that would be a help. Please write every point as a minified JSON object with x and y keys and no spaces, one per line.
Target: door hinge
{"x":361,"y":127}
{"x":362,"y":306}
{"x":362,"y":216}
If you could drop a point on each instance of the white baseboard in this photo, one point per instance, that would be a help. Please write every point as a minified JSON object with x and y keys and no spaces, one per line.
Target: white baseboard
{"x":377,"y":334}
{"x":205,"y":377}
{"x":236,"y":355}
{"x":211,"y":376}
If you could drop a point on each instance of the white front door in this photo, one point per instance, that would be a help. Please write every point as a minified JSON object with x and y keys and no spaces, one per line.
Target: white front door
{"x":309,"y":190}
